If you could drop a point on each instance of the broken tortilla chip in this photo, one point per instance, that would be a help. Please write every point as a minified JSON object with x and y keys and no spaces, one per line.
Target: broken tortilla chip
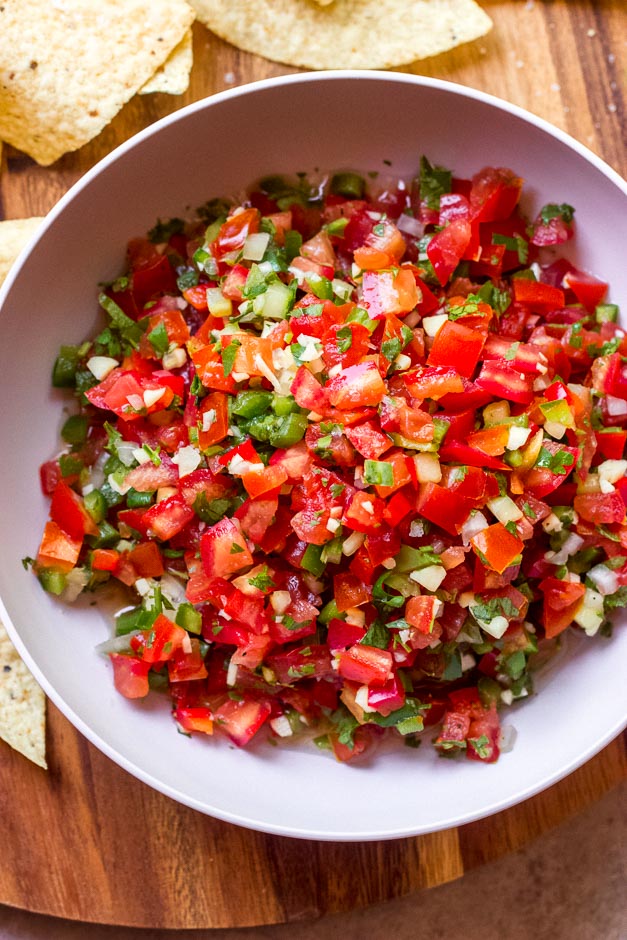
{"x":346,"y":34}
{"x":22,"y":705}
{"x":67,"y":67}
{"x":14,"y":234}
{"x":173,"y":76}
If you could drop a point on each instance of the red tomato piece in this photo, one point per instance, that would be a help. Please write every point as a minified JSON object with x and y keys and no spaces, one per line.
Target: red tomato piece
{"x":130,"y":675}
{"x":223,"y":549}
{"x":241,"y":720}
{"x":497,"y":547}
{"x":458,"y":347}
{"x":365,"y":664}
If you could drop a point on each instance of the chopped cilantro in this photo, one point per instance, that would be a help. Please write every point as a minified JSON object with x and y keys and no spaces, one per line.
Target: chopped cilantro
{"x":158,"y":339}
{"x":377,"y":635}
{"x":165,"y":229}
{"x":262,"y":581}
{"x":435,"y":181}
{"x":554,"y":211}
{"x":344,"y":339}
{"x":557,"y":463}
{"x":497,"y":606}
{"x":228,"y":356}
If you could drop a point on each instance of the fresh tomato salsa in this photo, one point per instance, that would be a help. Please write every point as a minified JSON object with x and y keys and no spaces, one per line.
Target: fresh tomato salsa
{"x":356,"y":450}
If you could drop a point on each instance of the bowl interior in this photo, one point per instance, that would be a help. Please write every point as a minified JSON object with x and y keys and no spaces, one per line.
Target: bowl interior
{"x":366,"y":121}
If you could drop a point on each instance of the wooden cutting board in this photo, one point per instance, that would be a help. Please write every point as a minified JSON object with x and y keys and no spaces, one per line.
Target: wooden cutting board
{"x":87,"y":841}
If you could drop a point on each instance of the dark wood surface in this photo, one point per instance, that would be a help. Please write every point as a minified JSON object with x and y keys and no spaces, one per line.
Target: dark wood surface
{"x":87,"y":841}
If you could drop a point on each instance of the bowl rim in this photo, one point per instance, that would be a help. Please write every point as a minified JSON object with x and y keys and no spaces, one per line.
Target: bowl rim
{"x":83,"y":182}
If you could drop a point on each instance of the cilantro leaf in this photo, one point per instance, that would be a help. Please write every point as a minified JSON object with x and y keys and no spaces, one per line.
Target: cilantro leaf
{"x":344,"y":339}
{"x":165,"y":229}
{"x":158,"y":339}
{"x":262,"y":581}
{"x":228,"y":356}
{"x":557,"y":463}
{"x":435,"y":181}
{"x":553,"y":211}
{"x":377,"y":635}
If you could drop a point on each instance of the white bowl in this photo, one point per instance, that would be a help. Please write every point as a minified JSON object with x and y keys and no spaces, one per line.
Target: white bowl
{"x":212,"y":148}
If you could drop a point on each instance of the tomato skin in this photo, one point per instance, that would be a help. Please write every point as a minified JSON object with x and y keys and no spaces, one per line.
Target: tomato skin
{"x":130,"y":675}
{"x":197,"y":718}
{"x":216,"y":545}
{"x":601,"y":508}
{"x":167,"y":518}
{"x":365,"y":664}
{"x":58,"y":549}
{"x":356,"y":387}
{"x":160,"y":642}
{"x":588,"y":289}
{"x":494,"y":194}
{"x":498,"y":546}
{"x":447,"y":248}
{"x":562,"y":601}
{"x":443,"y":507}
{"x":67,"y":509}
{"x":455,"y":346}
{"x":241,"y":720}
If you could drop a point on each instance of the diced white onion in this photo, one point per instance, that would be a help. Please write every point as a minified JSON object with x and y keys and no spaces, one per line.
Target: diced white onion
{"x":209,"y":418}
{"x":612,"y":470}
{"x":352,"y":543}
{"x":140,"y":455}
{"x":280,"y":601}
{"x":605,"y":580}
{"x":505,"y":509}
{"x":175,"y":358}
{"x":187,"y":459}
{"x":496,"y":627}
{"x":255,"y":246}
{"x":231,"y":673}
{"x":517,"y":437}
{"x":615,"y":406}
{"x":507,"y":738}
{"x":333,"y":525}
{"x":355,"y":616}
{"x":430,"y":578}
{"x":590,"y":614}
{"x":428,"y":469}
{"x":410,"y":225}
{"x":431,"y":325}
{"x":218,"y":304}
{"x":152,"y":396}
{"x":361,"y":699}
{"x":474,"y":524}
{"x":125,"y":451}
{"x":101,"y":366}
{"x":281,"y":726}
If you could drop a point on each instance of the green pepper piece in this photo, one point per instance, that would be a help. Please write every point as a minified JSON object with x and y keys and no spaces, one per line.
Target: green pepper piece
{"x":606,"y":313}
{"x":189,"y":618}
{"x":349,"y":185}
{"x":52,"y":580}
{"x":288,"y":430}
{"x":74,"y":431}
{"x":330,"y":612}
{"x":312,"y":561}
{"x":251,"y":404}
{"x":64,"y":369}
{"x":107,"y":536}
{"x":136,"y":499}
{"x":284,"y":405}
{"x":96,"y":505}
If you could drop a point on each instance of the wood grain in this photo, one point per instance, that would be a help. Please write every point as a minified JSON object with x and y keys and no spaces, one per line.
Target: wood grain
{"x":89,"y":842}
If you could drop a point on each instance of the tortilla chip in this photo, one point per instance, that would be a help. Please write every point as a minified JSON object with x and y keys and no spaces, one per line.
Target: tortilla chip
{"x":14,"y":234}
{"x":173,"y":76}
{"x":347,"y":34}
{"x":22,"y":705}
{"x":68,"y":66}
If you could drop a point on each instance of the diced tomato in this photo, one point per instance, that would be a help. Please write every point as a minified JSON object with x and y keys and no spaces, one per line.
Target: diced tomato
{"x":355,"y":387}
{"x":67,"y":509}
{"x":130,"y":675}
{"x":588,"y":289}
{"x":223,"y":549}
{"x":497,"y":547}
{"x":537,"y":295}
{"x":241,"y":720}
{"x":160,"y":642}
{"x":105,"y":559}
{"x":58,"y":549}
{"x":447,"y":247}
{"x":562,"y":601}
{"x":456,"y":346}
{"x":197,"y":718}
{"x":168,"y":517}
{"x":365,"y":664}
{"x":187,"y":664}
{"x":600,"y":508}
